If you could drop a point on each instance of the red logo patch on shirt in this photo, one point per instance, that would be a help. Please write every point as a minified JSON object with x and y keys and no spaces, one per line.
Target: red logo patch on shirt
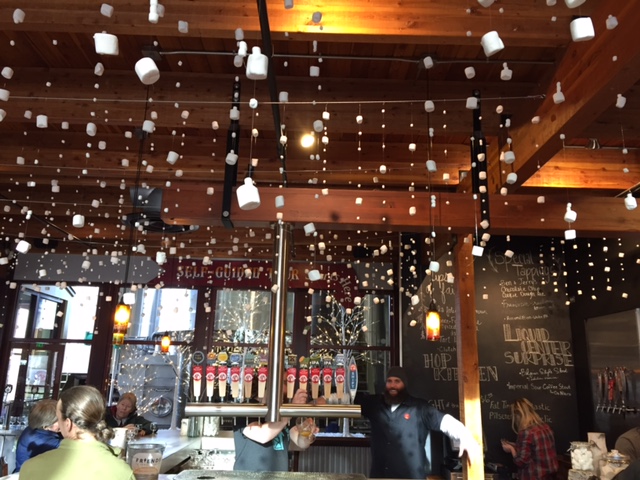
{"x":407,"y":416}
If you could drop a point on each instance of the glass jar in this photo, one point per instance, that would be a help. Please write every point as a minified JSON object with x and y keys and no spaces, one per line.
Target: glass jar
{"x":581,"y":456}
{"x":615,"y":463}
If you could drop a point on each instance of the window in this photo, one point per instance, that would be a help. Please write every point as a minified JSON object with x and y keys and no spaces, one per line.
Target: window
{"x":244,"y":316}
{"x":160,"y":310}
{"x":361,"y":331}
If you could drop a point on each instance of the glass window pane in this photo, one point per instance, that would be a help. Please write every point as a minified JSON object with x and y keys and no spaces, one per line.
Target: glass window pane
{"x":159,"y":310}
{"x":22,"y":316}
{"x":80,"y":312}
{"x":366,"y":324}
{"x":45,"y":318}
{"x":244,"y":316}
{"x":76,"y":358}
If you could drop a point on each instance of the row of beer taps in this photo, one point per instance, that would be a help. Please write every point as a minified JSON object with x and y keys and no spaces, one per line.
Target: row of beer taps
{"x":613,"y":390}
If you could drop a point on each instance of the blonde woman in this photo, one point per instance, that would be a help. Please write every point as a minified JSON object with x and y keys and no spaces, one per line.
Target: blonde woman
{"x":83,"y":453}
{"x":534,"y":452}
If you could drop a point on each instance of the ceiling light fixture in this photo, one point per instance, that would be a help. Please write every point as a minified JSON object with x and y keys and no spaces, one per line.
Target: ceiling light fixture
{"x":432,"y":322}
{"x":307,"y":140}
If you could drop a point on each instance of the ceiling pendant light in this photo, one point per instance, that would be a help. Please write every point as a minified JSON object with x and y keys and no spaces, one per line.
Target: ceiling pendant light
{"x":165,"y":343}
{"x":432,"y":322}
{"x":121,"y":323}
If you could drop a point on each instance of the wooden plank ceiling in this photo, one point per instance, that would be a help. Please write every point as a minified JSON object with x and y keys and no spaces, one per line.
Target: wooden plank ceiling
{"x":370,"y":57}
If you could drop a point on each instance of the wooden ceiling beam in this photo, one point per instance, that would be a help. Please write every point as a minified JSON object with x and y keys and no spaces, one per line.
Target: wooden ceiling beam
{"x":427,"y":23}
{"x":382,"y":211}
{"x":73,"y":97}
{"x":604,"y":169}
{"x":590,"y":80}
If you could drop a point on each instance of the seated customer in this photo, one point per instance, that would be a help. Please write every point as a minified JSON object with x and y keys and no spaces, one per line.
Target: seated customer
{"x":83,"y":453}
{"x":41,"y":435}
{"x":629,"y":443}
{"x":124,"y":414}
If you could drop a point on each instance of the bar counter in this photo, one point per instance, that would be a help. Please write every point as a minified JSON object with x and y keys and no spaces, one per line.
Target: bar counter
{"x":177,"y":448}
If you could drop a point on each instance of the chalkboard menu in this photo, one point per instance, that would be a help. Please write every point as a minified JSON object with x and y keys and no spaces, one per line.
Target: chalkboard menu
{"x":524,"y":343}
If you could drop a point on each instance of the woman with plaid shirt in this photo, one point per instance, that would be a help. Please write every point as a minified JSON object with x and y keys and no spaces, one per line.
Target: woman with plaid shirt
{"x":534,"y":452}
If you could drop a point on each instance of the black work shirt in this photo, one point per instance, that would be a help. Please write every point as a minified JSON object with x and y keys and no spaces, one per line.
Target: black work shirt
{"x":398,"y":438}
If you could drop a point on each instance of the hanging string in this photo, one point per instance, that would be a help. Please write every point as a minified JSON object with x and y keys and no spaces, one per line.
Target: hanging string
{"x":136,"y":191}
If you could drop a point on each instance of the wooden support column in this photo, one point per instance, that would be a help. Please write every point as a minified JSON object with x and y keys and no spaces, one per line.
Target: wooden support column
{"x":467,"y":349}
{"x":99,"y":373}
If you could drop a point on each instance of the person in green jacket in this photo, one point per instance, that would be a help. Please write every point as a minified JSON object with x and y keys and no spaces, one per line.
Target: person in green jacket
{"x":83,"y":452}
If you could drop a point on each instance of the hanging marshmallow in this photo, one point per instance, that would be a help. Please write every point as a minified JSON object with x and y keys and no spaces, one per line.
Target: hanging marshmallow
{"x":314,"y":275}
{"x":106,"y":44}
{"x":558,"y":97}
{"x":316,"y":17}
{"x":431,"y":166}
{"x":509,"y":157}
{"x":154,"y":14}
{"x":242,"y":48}
{"x":506,"y":72}
{"x":106,"y":10}
{"x":234,"y":113}
{"x":78,"y":221}
{"x":427,"y":62}
{"x":630,"y":202}
{"x":257,"y":65}
{"x":248,"y":195}
{"x":570,"y":215}
{"x":232,"y":158}
{"x":472,"y":103}
{"x":470,"y":72}
{"x":570,"y":234}
{"x":279,"y":201}
{"x":611,"y":22}
{"x":147,"y":71}
{"x":42,"y":121}
{"x":183,"y":27}
{"x":621,"y":101}
{"x":283,"y":97}
{"x":314,"y":71}
{"x":148,"y":126}
{"x":486,"y":3}
{"x":574,"y":3}
{"x":318,"y":126}
{"x":491,"y":43}
{"x":288,"y":4}
{"x":582,"y":29}
{"x":161,"y":257}
{"x":4,"y":94}
{"x":512,"y":178}
{"x":98,"y":70}
{"x":239,"y":34}
{"x":7,"y":72}
{"x":429,"y":106}
{"x":172,"y":157}
{"x":18,"y":16}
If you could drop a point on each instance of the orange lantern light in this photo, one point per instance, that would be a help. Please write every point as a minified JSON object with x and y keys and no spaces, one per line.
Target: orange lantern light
{"x":121,"y":323}
{"x":432,"y":322}
{"x":165,"y":343}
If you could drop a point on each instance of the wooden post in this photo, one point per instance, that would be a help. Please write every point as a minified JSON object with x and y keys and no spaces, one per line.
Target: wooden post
{"x":467,"y":349}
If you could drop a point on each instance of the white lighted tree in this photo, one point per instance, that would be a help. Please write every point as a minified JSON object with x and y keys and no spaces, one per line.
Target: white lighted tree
{"x":336,"y":328}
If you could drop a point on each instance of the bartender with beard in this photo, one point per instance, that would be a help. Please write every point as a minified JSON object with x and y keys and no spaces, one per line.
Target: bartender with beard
{"x":400,"y":424}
